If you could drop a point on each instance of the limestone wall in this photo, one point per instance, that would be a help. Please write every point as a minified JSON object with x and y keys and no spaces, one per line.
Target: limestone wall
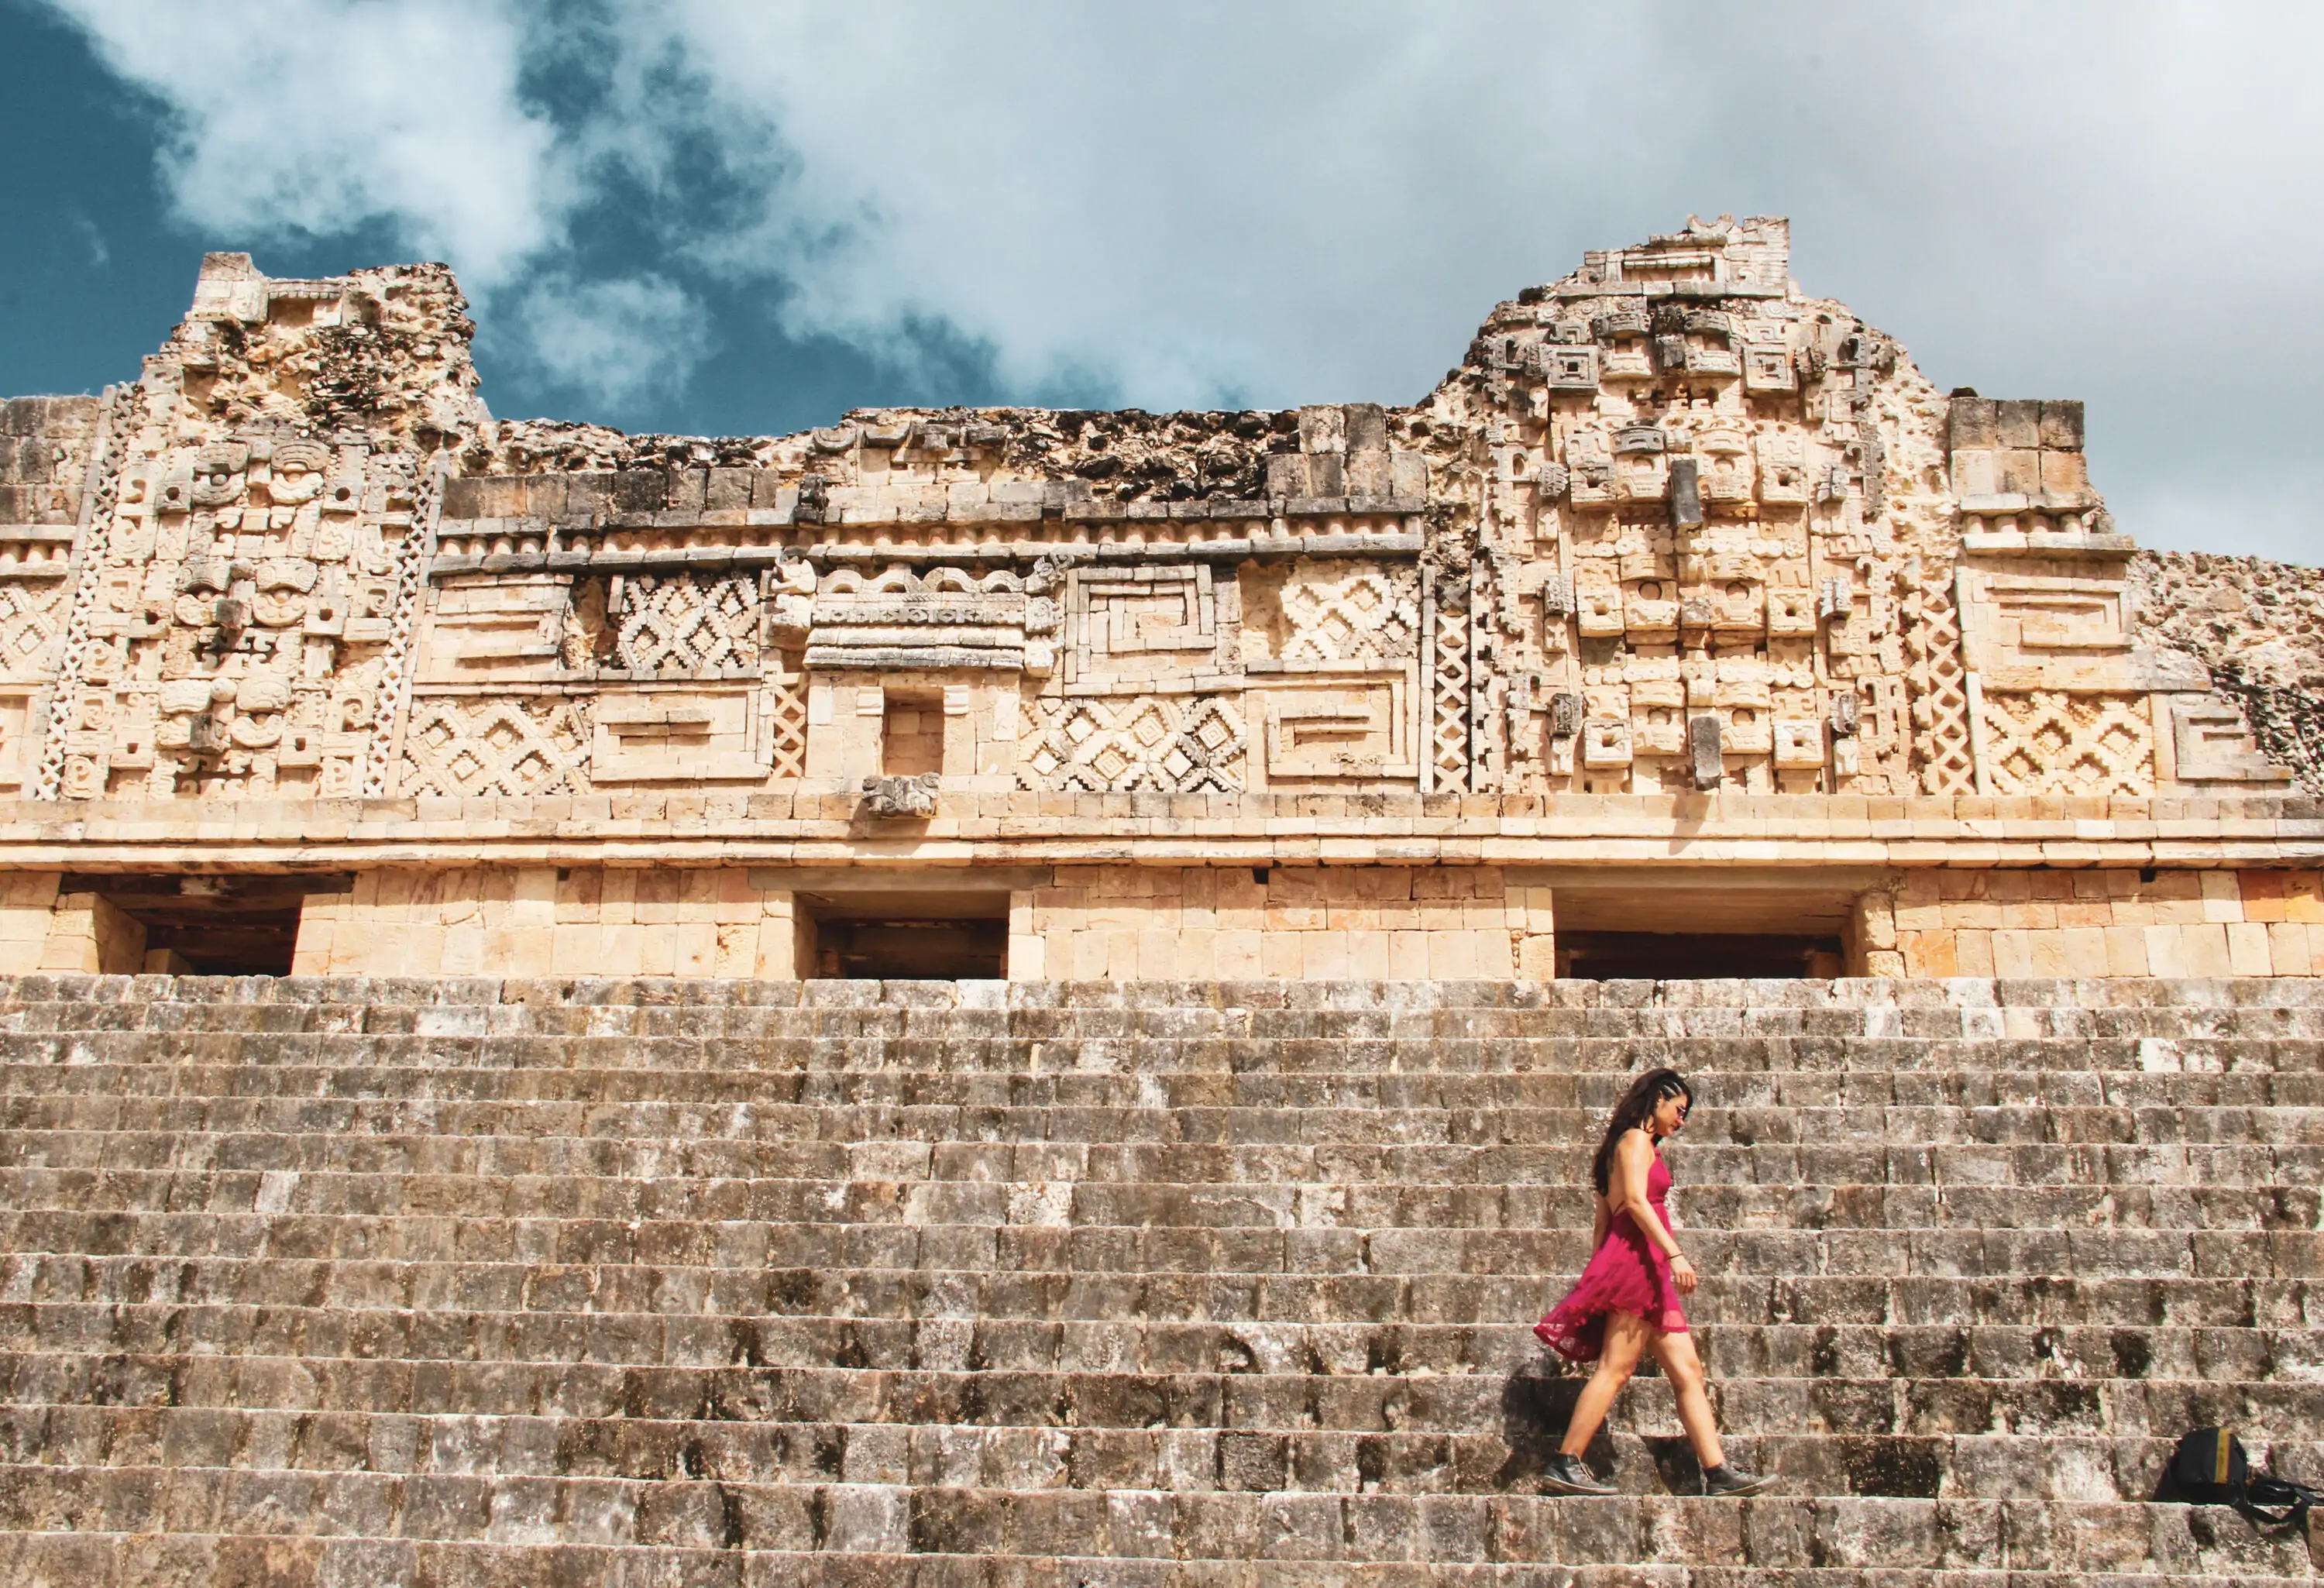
{"x":1108,"y":923}
{"x":2111,"y":923}
{"x":1242,"y":923}
{"x":544,"y":921}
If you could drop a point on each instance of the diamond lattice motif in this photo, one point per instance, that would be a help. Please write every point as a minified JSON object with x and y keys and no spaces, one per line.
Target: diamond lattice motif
{"x":1169,"y":745}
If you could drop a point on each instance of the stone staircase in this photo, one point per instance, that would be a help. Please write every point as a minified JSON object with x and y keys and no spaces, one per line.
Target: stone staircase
{"x":972,"y":1285}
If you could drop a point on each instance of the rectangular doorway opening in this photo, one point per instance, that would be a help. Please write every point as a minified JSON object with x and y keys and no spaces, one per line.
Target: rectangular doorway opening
{"x":903,"y":936}
{"x":1636,"y":926}
{"x":1688,"y":957}
{"x":231,"y":924}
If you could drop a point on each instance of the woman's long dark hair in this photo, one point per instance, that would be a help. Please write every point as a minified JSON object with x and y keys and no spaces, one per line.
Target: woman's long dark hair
{"x":1638,"y":1106}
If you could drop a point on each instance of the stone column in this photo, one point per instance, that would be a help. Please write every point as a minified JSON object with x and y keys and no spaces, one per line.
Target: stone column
{"x":1537,"y":935}
{"x":1028,"y":953}
{"x":89,"y":935}
{"x":1872,"y":948}
{"x":28,"y":901}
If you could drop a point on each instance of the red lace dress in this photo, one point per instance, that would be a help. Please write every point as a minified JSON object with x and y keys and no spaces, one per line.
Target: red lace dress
{"x":1627,"y":1273}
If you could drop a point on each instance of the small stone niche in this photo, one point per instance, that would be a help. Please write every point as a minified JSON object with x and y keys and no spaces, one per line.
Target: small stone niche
{"x":911,"y":734}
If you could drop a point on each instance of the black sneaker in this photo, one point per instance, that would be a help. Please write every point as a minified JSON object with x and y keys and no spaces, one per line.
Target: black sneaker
{"x":1731,"y":1479}
{"x":1565,"y":1475}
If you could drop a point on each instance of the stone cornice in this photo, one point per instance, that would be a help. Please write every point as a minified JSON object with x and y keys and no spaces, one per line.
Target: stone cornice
{"x":823,"y":828}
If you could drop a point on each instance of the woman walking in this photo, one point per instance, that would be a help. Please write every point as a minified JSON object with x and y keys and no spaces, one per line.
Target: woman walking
{"x":1626,"y":1303}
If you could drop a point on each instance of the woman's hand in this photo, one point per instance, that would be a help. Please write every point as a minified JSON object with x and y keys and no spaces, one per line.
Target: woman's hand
{"x":1683,"y":1275}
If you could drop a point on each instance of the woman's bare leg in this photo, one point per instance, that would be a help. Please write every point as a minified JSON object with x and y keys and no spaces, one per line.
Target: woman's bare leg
{"x":1684,"y":1369}
{"x":1626,"y":1342}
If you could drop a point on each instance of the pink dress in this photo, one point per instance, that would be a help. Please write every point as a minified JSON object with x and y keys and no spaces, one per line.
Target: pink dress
{"x":1627,"y":1273}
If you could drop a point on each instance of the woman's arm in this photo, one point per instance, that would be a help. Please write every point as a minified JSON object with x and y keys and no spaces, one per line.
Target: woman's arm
{"x":1633,"y":1159}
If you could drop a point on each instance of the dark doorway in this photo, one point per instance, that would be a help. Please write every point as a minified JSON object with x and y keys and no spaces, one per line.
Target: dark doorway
{"x":1669,"y":956}
{"x":903,"y":936}
{"x":1626,"y":924}
{"x":214,"y":925}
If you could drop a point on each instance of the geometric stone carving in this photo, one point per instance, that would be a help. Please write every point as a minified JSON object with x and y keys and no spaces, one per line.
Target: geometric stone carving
{"x":787,"y":723}
{"x":2049,"y":632}
{"x":2211,"y":743}
{"x":31,"y":624}
{"x":523,"y":744}
{"x":1166,"y":744}
{"x":1336,"y":727}
{"x":1350,"y":611}
{"x":897,"y":619}
{"x":1140,"y":623}
{"x":1943,"y":747}
{"x":687,"y":623}
{"x":1606,"y":743}
{"x":1799,"y":744}
{"x":501,"y":627}
{"x":2050,"y":741}
{"x":683,"y":735}
{"x":1448,"y":690}
{"x":231,"y":607}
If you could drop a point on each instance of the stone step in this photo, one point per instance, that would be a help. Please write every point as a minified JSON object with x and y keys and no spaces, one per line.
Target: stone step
{"x":1710,"y":992}
{"x":2104,"y":1007}
{"x":1555,"y":1215}
{"x":749,"y":1287}
{"x":105,"y":1095}
{"x":579,"y":1331}
{"x":1448,"y":1403}
{"x":2147,"y":1041}
{"x":2242,"y":1044}
{"x":116,"y":1560}
{"x":2043,"y":1467}
{"x":2111,"y":1008}
{"x":444,"y":1234}
{"x":1714,"y":1168}
{"x":772,"y":1283}
{"x":1778,"y":1532}
{"x":1598,"y":1064}
{"x":1871,"y":1135}
{"x":793,"y":1040}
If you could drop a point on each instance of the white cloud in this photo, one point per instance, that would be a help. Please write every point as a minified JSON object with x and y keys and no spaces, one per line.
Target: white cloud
{"x":1296,"y":202}
{"x":317,"y":116}
{"x":619,"y":342}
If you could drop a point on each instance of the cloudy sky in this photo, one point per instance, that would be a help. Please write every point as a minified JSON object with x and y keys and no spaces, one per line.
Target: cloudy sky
{"x":744,"y":216}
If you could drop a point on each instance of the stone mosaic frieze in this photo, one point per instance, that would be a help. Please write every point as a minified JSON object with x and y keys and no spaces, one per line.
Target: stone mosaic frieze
{"x":1672,"y":525}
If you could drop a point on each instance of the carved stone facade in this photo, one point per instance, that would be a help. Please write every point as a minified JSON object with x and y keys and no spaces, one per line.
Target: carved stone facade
{"x":1674,"y":535}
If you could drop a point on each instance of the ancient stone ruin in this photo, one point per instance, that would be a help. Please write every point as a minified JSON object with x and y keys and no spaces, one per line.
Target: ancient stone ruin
{"x":1683,"y":609}
{"x":1014,"y":997}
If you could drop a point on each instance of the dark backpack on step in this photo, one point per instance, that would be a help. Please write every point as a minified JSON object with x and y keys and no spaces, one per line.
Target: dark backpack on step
{"x":2210,"y":1468}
